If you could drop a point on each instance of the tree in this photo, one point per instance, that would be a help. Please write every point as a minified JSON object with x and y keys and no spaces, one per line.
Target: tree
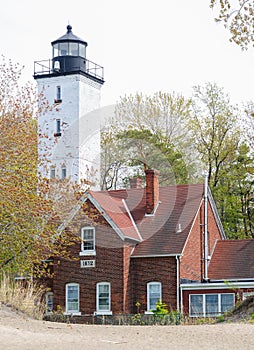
{"x":144,"y":131}
{"x":238,"y":19}
{"x":214,"y":128}
{"x":28,"y":233}
{"x":224,"y":154}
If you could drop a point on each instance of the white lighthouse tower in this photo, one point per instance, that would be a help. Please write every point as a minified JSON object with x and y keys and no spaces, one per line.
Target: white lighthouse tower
{"x":69,"y":132}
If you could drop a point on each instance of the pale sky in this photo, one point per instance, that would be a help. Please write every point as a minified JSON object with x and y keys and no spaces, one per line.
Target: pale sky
{"x":144,"y":45}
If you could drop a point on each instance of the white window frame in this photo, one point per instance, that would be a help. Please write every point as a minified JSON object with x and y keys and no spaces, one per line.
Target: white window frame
{"x":149,"y":284}
{"x":101,"y":311}
{"x":83,"y":250}
{"x":63,"y":172}
{"x":53,"y":172}
{"x":247,"y":294}
{"x":204,"y":313}
{"x":67,"y":310}
{"x":49,"y":302}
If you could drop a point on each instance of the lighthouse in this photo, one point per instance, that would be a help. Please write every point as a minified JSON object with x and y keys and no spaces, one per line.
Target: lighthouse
{"x":69,"y":128}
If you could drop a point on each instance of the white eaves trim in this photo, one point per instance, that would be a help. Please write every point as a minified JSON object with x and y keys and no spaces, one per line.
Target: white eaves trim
{"x":106,"y":217}
{"x":132,"y":220}
{"x":218,"y":285}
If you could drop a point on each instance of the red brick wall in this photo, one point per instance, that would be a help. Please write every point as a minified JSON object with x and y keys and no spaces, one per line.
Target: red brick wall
{"x":192,"y":261}
{"x":112,"y":262}
{"x":159,"y":269}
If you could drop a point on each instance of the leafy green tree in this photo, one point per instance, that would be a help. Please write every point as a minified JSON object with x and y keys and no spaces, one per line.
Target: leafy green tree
{"x":215,"y":131}
{"x":235,"y":193}
{"x":28,"y":232}
{"x":229,"y":161}
{"x":238,"y":17}
{"x":144,"y":131}
{"x":152,"y":151}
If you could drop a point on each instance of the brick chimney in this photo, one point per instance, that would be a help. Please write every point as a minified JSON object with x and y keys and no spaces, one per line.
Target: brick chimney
{"x":136,"y":182}
{"x":152,"y":190}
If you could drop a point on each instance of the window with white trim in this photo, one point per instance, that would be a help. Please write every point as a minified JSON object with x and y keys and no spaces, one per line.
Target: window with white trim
{"x":247,"y":294}
{"x":103,"y":298}
{"x":64,"y":172}
{"x":87,"y":240}
{"x":72,"y":298}
{"x":52,"y":172}
{"x":210,"y":305}
{"x":49,"y":302}
{"x":153,"y":295}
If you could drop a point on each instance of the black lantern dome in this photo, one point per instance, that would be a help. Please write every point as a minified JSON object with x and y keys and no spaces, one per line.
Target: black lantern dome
{"x":69,"y":57}
{"x":69,"y":53}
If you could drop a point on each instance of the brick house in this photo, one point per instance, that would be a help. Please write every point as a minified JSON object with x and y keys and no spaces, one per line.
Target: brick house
{"x":231,"y":279}
{"x":138,"y":245}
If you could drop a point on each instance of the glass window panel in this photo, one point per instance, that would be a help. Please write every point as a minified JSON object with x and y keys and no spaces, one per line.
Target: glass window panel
{"x":63,"y":49}
{"x":55,"y":50}
{"x":88,"y":239}
{"x":196,"y":305}
{"x":72,"y":298}
{"x":58,"y":126}
{"x":227,"y":302}
{"x":52,"y":173}
{"x":82,"y":50}
{"x":154,"y":295}
{"x":49,"y":302}
{"x":103,"y":295}
{"x":211,"y":301}
{"x":73,"y":48}
{"x":58,"y":93}
{"x":64,"y":173}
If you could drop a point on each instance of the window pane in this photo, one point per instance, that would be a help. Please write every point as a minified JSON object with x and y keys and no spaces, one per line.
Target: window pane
{"x":227,"y":302}
{"x":73,"y":47}
{"x":55,"y":50}
{"x":58,"y":93}
{"x":211,"y":304}
{"x":82,"y":50}
{"x":63,"y":49}
{"x":64,"y":173}
{"x":49,"y":302}
{"x":196,"y":305}
{"x":58,"y":126}
{"x":52,"y":173}
{"x":103,"y":297}
{"x":88,"y":239}
{"x":72,"y":298}
{"x":154,"y":296}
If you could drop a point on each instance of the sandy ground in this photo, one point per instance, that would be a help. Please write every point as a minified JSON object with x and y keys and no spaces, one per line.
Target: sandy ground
{"x":20,"y":332}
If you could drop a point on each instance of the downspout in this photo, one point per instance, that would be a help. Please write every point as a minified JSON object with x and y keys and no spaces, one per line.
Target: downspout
{"x":177,"y":282}
{"x":206,"y":226}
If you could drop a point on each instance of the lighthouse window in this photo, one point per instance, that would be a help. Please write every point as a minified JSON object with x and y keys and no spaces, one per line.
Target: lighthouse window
{"x":82,"y":50}
{"x":53,"y":173}
{"x":56,"y":51}
{"x":58,"y":94}
{"x":58,"y":127}
{"x":64,"y":173}
{"x":73,"y":47}
{"x":63,"y":49}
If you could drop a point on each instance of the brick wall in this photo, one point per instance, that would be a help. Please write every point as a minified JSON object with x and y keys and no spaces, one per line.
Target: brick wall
{"x":157,"y":269}
{"x":192,"y":261}
{"x":112,"y":261}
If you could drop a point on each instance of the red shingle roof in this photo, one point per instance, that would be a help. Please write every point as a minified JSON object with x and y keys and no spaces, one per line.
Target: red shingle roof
{"x":232,"y":260}
{"x":177,"y":208}
{"x":115,"y":209}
